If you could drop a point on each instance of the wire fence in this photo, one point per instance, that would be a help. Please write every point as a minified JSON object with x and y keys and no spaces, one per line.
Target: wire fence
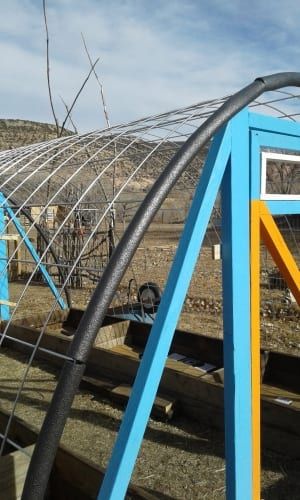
{"x":75,"y":195}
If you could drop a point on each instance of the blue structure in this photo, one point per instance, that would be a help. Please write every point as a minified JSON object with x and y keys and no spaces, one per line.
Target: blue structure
{"x":233,"y":165}
{"x":4,"y":292}
{"x":5,"y":209}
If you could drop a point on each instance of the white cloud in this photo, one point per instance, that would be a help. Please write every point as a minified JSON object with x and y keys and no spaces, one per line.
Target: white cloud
{"x":154,"y":56}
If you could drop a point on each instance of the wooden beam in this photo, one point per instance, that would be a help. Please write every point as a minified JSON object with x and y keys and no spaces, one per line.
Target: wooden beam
{"x":70,"y":469}
{"x":4,"y":302}
{"x":9,"y":237}
{"x":163,"y":406}
{"x":13,"y":470}
{"x":198,"y":395}
{"x":279,"y":251}
{"x":255,"y":346}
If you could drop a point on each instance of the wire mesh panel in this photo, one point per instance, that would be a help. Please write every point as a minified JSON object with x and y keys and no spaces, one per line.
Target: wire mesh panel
{"x":280,"y":328}
{"x":67,"y":202}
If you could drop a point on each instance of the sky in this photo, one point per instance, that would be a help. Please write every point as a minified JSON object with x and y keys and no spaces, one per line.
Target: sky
{"x":155,"y":55}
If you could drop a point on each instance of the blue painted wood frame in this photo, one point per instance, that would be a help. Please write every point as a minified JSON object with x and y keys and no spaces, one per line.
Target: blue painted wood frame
{"x":236,"y":314}
{"x":149,"y":374}
{"x":4,"y":204}
{"x":273,"y":125}
{"x":267,"y":132}
{"x":4,"y":290}
{"x":236,"y":303}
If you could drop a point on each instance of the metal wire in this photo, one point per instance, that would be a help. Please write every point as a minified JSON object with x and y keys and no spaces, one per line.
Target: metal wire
{"x":79,"y":172}
{"x":4,"y":334}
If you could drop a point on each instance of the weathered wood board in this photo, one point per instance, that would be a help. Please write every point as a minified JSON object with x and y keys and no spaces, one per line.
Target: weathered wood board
{"x":197,"y":393}
{"x":73,"y":477}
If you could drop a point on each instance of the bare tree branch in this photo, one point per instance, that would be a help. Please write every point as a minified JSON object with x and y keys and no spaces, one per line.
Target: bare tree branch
{"x":76,"y":97}
{"x":99,"y":83}
{"x":48,"y":69}
{"x":105,"y":115}
{"x":111,"y":230}
{"x":70,"y":116}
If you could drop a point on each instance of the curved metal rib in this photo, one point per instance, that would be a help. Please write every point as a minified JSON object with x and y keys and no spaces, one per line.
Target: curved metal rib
{"x":45,"y":450}
{"x":49,"y":246}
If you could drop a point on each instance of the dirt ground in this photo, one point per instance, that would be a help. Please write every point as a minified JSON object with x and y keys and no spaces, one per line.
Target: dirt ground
{"x":202,"y":312}
{"x":180,"y":459}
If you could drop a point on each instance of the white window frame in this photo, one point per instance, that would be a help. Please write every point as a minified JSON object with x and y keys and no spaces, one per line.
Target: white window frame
{"x":268,"y":155}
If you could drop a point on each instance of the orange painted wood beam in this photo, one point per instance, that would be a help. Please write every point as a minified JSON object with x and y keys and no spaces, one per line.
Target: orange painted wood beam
{"x":279,"y":251}
{"x":263,"y":226}
{"x":255,"y":347}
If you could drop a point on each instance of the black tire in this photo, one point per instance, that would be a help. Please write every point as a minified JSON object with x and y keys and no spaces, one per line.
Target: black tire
{"x":155,"y":295}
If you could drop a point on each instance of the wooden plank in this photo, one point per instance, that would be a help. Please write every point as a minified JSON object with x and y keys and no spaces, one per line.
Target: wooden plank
{"x":7,"y":303}
{"x":84,"y":477}
{"x":98,"y":385}
{"x":127,"y":350}
{"x":236,"y":313}
{"x":69,"y":468}
{"x":113,"y":335}
{"x":198,"y":395}
{"x":271,"y":393}
{"x":176,"y":380}
{"x":121,"y":363}
{"x":56,"y":343}
{"x":216,"y":376}
{"x":280,"y":252}
{"x":13,"y":470}
{"x":257,"y":367}
{"x":39,"y":319}
{"x":283,"y":370}
{"x":15,"y":267}
{"x":163,"y":406}
{"x":187,"y":343}
{"x":9,"y":237}
{"x":4,"y":288}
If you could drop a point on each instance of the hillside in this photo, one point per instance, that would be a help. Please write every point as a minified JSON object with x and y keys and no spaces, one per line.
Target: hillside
{"x":16,"y":133}
{"x":133,"y":152}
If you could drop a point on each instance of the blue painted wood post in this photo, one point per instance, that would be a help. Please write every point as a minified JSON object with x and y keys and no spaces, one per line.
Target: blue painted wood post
{"x":33,"y":252}
{"x":4,"y":291}
{"x":137,"y":413}
{"x":236,"y":314}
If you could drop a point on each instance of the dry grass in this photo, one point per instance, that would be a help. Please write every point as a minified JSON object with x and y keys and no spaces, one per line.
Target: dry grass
{"x":181,"y":459}
{"x":280,"y":325}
